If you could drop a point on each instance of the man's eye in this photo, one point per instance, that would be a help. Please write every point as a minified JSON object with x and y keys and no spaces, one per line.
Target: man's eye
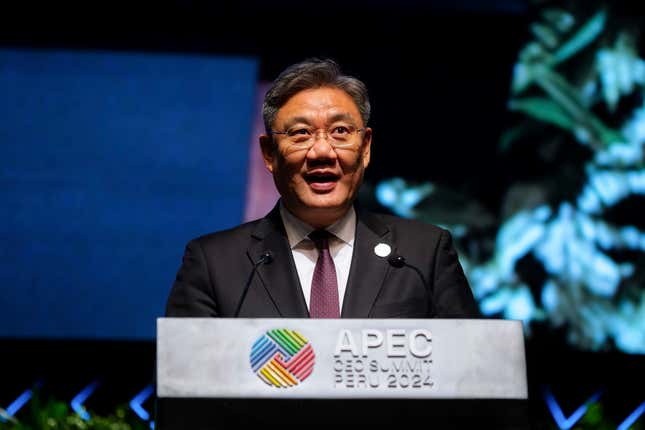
{"x":299,"y":132}
{"x":340,"y":130}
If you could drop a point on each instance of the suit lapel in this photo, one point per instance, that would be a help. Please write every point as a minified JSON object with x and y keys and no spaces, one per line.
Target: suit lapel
{"x":367,"y":271}
{"x":279,"y":278}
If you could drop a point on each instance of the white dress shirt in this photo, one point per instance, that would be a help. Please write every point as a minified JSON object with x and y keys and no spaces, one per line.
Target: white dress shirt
{"x":305,"y":254}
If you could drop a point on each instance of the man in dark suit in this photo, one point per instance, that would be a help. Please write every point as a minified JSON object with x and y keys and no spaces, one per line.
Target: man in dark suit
{"x":328,"y":259}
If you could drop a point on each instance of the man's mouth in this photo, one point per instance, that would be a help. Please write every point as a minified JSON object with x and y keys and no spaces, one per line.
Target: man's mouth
{"x":321,"y":181}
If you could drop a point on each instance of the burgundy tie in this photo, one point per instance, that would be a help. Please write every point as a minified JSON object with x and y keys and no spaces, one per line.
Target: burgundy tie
{"x":324,"y":286}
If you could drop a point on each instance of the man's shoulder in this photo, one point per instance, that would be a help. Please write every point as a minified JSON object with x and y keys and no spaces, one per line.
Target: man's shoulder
{"x":231,"y":236}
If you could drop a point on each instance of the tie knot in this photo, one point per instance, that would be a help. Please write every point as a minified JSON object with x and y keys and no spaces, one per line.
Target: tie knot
{"x":320,"y":238}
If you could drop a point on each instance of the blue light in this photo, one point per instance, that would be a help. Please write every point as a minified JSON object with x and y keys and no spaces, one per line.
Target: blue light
{"x":634,"y":130}
{"x":563,"y":422}
{"x":604,"y":236}
{"x":495,"y":302}
{"x":19,"y":402}
{"x":636,"y":181}
{"x":620,"y":154}
{"x":549,"y":296}
{"x":520,"y":306}
{"x":586,"y":226}
{"x":385,"y":194}
{"x":588,"y":201}
{"x":610,"y":186}
{"x":485,"y":280}
{"x":541,"y":213}
{"x":629,"y":339}
{"x":521,"y":77}
{"x":400,"y":197}
{"x":605,"y":277}
{"x":410,"y":197}
{"x":631,"y":419}
{"x":516,"y":238}
{"x":79,"y":399}
{"x":551,"y":251}
{"x":582,"y":134}
{"x":15,"y":406}
{"x":572,"y":238}
{"x":631,"y":236}
{"x":136,"y":402}
{"x":627,"y":325}
{"x":4,"y":416}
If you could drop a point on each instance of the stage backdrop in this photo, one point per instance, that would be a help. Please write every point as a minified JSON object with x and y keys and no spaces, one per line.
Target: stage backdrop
{"x":109,"y":164}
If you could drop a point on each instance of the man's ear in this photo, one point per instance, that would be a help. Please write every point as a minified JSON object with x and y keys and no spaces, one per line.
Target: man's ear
{"x":268,"y":147}
{"x":367,"y":146}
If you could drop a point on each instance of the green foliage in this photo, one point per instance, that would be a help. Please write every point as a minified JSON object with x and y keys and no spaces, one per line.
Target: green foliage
{"x":543,"y":109}
{"x":583,"y":37}
{"x":562,"y":97}
{"x":594,"y":419}
{"x":579,"y":81}
{"x":56,"y":415}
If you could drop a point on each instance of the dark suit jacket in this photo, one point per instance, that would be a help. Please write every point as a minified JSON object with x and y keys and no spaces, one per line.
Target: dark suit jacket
{"x":216,"y":267}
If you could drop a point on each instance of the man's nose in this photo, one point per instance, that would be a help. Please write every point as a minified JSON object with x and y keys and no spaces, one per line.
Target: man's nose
{"x":320,"y":134}
{"x":322,"y":145}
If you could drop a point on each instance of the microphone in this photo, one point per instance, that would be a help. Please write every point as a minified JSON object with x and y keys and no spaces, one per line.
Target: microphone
{"x":265,"y":258}
{"x":399,"y":261}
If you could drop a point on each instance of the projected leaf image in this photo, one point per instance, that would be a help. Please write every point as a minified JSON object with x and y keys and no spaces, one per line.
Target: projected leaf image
{"x":566,"y":249}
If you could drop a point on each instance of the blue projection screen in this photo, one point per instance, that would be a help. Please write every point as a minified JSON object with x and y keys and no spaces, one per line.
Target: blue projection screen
{"x":109,"y":164}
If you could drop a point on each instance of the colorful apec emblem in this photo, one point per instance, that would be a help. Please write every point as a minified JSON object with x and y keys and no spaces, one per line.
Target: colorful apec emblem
{"x":282,"y":358}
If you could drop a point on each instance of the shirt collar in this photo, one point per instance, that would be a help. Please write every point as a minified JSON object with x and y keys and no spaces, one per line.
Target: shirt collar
{"x":298,"y":230}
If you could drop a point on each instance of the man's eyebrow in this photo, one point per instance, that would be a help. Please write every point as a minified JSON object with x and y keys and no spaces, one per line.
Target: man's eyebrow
{"x":342,"y":117}
{"x":295,"y":120}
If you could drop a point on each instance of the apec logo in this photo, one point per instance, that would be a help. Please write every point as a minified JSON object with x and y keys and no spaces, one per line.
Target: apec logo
{"x":282,"y":358}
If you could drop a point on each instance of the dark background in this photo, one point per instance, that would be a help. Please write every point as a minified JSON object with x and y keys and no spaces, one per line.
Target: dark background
{"x":438,"y":71}
{"x":439,"y":75}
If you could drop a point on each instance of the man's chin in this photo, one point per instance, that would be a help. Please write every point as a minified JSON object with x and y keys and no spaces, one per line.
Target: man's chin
{"x":324,"y":201}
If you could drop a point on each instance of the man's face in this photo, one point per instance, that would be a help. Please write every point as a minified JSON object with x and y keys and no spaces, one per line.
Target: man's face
{"x":318,"y":183}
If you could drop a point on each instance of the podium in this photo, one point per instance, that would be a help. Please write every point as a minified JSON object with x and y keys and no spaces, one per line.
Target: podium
{"x":442,"y":373}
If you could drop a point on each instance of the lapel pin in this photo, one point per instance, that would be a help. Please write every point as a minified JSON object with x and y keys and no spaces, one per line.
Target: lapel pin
{"x":382,"y":250}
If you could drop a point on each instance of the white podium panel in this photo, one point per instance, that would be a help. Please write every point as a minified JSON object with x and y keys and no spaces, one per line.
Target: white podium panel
{"x":340,"y":358}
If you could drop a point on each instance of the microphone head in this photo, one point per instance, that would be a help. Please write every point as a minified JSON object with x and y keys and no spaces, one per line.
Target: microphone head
{"x":396,"y":260}
{"x":267,"y":257}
